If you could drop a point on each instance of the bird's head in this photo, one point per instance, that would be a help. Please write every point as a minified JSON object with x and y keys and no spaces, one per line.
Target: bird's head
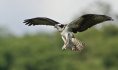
{"x":60,"y":27}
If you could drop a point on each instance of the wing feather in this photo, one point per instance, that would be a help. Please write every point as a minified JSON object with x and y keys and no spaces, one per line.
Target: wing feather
{"x":86,"y":21}
{"x":40,"y":21}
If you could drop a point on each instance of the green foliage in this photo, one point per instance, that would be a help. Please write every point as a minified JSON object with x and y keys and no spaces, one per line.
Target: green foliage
{"x":43,"y":52}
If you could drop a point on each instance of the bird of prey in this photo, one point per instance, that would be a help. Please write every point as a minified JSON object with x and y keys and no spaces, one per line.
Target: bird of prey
{"x":67,"y":31}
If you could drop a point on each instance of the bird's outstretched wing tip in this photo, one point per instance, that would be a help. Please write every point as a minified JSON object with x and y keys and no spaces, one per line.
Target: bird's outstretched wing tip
{"x":27,"y":22}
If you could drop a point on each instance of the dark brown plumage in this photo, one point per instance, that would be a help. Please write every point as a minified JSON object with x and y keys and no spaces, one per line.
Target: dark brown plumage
{"x":40,"y":21}
{"x":86,"y":21}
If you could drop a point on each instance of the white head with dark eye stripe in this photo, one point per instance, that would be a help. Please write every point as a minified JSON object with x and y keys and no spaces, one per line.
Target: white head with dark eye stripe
{"x":60,"y":27}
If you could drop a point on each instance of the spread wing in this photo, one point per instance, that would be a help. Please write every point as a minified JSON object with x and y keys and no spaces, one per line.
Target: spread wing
{"x":40,"y":21}
{"x":86,"y":21}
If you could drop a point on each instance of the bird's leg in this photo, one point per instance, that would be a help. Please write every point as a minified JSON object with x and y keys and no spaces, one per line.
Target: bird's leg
{"x":66,"y":40}
{"x":69,"y":43}
{"x":64,"y":46}
{"x":73,"y":43}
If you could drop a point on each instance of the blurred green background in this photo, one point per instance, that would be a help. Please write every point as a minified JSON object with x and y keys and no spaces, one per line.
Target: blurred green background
{"x":42,"y":51}
{"x":25,"y":49}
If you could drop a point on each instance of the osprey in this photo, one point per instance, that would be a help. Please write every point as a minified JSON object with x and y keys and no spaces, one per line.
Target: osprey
{"x":67,"y":30}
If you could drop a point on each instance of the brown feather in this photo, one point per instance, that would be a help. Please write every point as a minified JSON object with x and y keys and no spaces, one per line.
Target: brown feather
{"x":40,"y":21}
